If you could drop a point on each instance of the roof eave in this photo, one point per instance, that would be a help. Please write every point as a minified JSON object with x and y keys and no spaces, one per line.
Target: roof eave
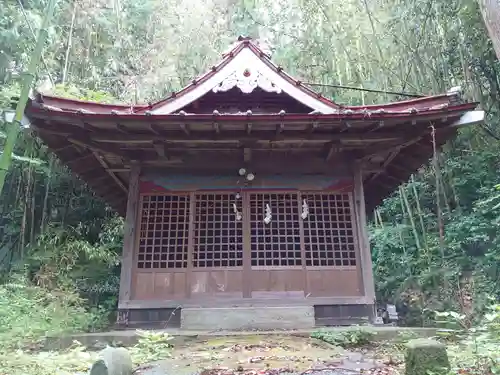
{"x":470,"y":118}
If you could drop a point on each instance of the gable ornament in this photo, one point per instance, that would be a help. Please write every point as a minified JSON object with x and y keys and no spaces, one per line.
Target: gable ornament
{"x":246,"y":80}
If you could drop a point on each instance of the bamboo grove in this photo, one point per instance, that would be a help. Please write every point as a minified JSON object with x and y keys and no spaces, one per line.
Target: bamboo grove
{"x":434,"y":242}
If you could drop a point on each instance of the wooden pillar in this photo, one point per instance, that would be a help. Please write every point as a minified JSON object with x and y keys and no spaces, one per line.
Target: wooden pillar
{"x":129,"y":236}
{"x":190,"y":245}
{"x":247,"y":246}
{"x":302,"y":246}
{"x":364,"y":243}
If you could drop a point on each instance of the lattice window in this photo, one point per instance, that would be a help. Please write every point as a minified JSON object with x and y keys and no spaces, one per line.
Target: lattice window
{"x":218,"y":231}
{"x":278,"y":242}
{"x":163,"y":236}
{"x":328,"y":231}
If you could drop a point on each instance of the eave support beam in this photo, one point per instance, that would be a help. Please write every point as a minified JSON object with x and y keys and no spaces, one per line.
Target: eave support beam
{"x":112,"y":174}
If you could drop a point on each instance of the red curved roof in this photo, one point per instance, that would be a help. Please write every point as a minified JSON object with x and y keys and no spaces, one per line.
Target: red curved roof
{"x":93,"y":138}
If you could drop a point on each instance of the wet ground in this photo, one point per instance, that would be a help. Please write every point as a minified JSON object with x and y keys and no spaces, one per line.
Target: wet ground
{"x":270,"y":355}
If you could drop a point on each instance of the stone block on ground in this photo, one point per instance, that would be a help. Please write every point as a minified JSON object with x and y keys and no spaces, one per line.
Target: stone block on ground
{"x":113,"y":361}
{"x":247,"y":318}
{"x":425,"y":356}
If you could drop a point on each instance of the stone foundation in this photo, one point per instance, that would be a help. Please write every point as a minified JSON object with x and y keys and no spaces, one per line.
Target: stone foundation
{"x":247,"y":318}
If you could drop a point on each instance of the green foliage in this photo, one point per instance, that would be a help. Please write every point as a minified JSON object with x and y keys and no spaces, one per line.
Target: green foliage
{"x":349,"y":338}
{"x":152,"y":346}
{"x":85,"y":258}
{"x":29,"y":313}
{"x":73,"y":92}
{"x":454,"y":325}
{"x":477,"y":351}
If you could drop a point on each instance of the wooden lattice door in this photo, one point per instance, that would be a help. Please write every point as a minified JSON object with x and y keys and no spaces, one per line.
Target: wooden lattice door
{"x":252,"y":244}
{"x":217,"y":259}
{"x":275,"y":245}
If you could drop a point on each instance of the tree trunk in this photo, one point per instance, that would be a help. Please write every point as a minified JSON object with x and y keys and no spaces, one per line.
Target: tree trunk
{"x":490,"y":9}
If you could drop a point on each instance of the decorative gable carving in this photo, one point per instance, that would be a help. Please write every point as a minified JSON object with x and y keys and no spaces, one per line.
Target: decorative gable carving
{"x":245,"y":67}
{"x":247,"y":80}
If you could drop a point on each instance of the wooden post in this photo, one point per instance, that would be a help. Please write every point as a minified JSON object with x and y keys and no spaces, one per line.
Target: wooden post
{"x":190,"y":245}
{"x":129,"y":236}
{"x":302,"y":246}
{"x":247,"y":246}
{"x":364,"y":244}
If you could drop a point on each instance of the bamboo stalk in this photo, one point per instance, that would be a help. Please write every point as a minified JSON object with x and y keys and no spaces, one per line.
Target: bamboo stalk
{"x":442,"y":182}
{"x":33,"y":207}
{"x":43,"y":224}
{"x":68,"y":47}
{"x":410,"y":216}
{"x":419,"y":209}
{"x":438,"y":200}
{"x":14,"y":127}
{"x":379,"y":218}
{"x":26,"y":204}
{"x":26,"y":19}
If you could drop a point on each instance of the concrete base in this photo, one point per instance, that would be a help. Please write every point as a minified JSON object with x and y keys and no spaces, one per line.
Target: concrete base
{"x":241,"y":318}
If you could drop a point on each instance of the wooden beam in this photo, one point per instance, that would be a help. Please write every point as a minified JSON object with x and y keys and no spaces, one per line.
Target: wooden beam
{"x":401,"y":167}
{"x":119,"y":170}
{"x":247,"y":154}
{"x":79,"y":158}
{"x":63,"y":148}
{"x":89,"y":127}
{"x":313,"y":127}
{"x":84,"y":169}
{"x":256,"y":136}
{"x":130,"y":234}
{"x":122,"y":128}
{"x":95,"y":147}
{"x":93,"y":181}
{"x":391,"y":177}
{"x":346,"y":127}
{"x":231,"y":162}
{"x":103,"y":135}
{"x":160,"y":149}
{"x":387,"y":161}
{"x":100,"y":158}
{"x":185,"y":129}
{"x":334,"y":149}
{"x":154,"y":129}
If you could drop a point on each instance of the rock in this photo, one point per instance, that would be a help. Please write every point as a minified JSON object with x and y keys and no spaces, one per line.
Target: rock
{"x":99,"y":368}
{"x":424,"y":356}
{"x":355,"y":357}
{"x":113,"y":361}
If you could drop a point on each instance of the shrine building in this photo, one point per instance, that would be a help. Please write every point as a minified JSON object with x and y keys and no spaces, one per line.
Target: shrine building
{"x":246,"y":193}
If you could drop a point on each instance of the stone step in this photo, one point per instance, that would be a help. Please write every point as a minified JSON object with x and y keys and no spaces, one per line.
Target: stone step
{"x":247,"y":318}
